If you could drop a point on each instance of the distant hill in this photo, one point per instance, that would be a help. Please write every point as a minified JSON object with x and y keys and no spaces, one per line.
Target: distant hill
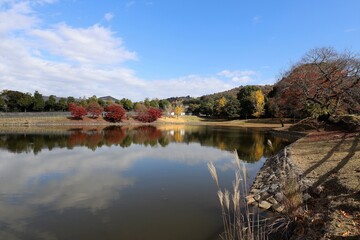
{"x":109,"y":98}
{"x":233,"y":92}
{"x":228,"y":94}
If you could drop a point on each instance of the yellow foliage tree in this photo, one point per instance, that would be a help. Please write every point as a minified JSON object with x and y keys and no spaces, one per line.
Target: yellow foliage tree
{"x":258,"y":99}
{"x":178,"y":110}
{"x":220,"y":104}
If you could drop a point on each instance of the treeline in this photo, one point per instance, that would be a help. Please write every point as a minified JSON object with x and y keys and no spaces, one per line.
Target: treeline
{"x":15,"y":101}
{"x":325,"y":82}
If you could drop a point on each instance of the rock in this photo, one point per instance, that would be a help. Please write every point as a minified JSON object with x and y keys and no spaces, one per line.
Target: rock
{"x":257,"y":197}
{"x":272,"y":176}
{"x":306,"y":197}
{"x":255,"y":190}
{"x":265,"y":195}
{"x":265,"y":205}
{"x":264,"y":189}
{"x":279,"y":197}
{"x":278,"y":207}
{"x":271,"y":200}
{"x":250,"y":199}
{"x":274,"y":187}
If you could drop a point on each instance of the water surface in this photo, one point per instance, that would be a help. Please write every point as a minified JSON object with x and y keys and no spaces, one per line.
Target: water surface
{"x":120,"y":183}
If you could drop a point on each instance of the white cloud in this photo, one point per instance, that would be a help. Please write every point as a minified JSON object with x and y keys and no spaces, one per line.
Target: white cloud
{"x":94,"y":45}
{"x":94,"y":180}
{"x":16,"y":16}
{"x":350,"y":30}
{"x":256,"y":19}
{"x":193,"y":85}
{"x":108,"y":16}
{"x":240,"y":77}
{"x":71,"y":61}
{"x":130,"y":3}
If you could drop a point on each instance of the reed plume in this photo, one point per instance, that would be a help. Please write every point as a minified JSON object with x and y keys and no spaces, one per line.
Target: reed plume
{"x":239,"y":219}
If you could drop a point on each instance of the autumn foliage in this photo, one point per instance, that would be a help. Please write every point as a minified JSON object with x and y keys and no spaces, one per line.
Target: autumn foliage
{"x":149,"y":115}
{"x":94,"y":109}
{"x":115,"y":112}
{"x":258,"y":100}
{"x":77,"y":111}
{"x":324,"y":83}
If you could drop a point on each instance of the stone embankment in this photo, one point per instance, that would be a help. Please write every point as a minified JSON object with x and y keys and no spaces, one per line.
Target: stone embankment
{"x":267,"y":191}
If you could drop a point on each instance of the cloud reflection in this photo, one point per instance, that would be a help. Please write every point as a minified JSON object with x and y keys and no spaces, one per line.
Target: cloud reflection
{"x":81,"y":179}
{"x":63,"y":174}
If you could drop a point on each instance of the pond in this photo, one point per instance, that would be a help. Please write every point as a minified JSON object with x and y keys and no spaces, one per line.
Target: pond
{"x":123,"y":183}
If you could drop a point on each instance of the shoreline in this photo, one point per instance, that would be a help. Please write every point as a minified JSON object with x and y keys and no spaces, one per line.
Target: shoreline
{"x":266,"y":124}
{"x":326,"y":165}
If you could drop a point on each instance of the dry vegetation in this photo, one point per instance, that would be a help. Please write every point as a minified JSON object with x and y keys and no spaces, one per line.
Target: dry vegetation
{"x":331,"y":160}
{"x":241,"y":221}
{"x":60,"y":120}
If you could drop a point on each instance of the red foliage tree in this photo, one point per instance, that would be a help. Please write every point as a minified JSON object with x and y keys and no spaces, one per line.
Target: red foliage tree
{"x":94,"y":109}
{"x":77,"y":111}
{"x":324,"y":83}
{"x":149,"y":115}
{"x":115,"y":112}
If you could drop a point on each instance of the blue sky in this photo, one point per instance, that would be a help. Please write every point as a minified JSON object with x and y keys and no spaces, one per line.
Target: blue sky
{"x":163,"y":48}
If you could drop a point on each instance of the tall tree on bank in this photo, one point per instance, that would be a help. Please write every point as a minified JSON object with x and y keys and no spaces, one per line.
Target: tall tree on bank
{"x":127,"y":104}
{"x":94,"y":109}
{"x":232,"y":108}
{"x":50,"y":104}
{"x":115,"y":112}
{"x":39,"y":103}
{"x":77,"y":111}
{"x":178,"y":110}
{"x":258,"y":99}
{"x":247,"y":107}
{"x":26,"y":102}
{"x":61,"y":105}
{"x":163,"y":104}
{"x":12,"y":100}
{"x":2,"y":104}
{"x":323,"y":83}
{"x":149,"y":115}
{"x":220,"y":105}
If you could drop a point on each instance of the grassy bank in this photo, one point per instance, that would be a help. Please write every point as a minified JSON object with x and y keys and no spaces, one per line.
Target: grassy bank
{"x":60,"y":120}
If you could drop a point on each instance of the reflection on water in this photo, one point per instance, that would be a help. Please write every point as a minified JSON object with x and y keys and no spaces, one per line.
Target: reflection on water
{"x":250,"y":144}
{"x":119,"y":183}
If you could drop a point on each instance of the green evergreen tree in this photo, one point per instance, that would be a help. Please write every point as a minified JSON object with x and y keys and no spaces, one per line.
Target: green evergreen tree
{"x":39,"y":103}
{"x":26,"y":102}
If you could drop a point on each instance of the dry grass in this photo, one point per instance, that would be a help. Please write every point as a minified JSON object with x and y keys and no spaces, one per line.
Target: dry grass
{"x":186,"y":120}
{"x":241,"y":221}
{"x":293,"y":215}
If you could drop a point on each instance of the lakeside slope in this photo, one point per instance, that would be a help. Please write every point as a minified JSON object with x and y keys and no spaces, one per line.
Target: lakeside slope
{"x":331,"y":161}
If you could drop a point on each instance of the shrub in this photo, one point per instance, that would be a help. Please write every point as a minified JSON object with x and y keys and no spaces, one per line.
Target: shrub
{"x":94,"y":109}
{"x":77,"y":111}
{"x":149,"y":115}
{"x":115,"y":112}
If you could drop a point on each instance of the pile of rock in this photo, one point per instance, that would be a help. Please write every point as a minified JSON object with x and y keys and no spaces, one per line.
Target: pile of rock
{"x":267,"y":189}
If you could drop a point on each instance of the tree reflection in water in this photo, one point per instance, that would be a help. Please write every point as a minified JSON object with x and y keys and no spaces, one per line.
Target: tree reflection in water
{"x":250,"y":144}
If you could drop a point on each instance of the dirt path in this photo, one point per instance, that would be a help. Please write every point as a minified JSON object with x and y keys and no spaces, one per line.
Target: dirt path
{"x":331,"y":160}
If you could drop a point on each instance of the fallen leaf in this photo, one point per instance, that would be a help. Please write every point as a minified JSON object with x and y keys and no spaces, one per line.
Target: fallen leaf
{"x":345,"y":214}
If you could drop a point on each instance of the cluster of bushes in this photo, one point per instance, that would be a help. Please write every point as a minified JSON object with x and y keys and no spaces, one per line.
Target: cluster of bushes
{"x":112,"y":112}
